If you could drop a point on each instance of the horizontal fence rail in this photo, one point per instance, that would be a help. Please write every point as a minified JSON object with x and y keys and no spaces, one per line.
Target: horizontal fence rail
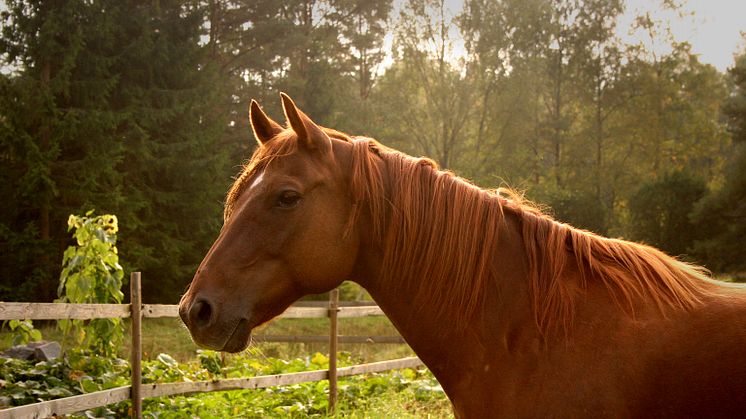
{"x":88,"y":401}
{"x":68,"y":404}
{"x":325,"y":338}
{"x":58,"y":311}
{"x":264,"y":381}
{"x":394,"y":364}
{"x":137,"y":391}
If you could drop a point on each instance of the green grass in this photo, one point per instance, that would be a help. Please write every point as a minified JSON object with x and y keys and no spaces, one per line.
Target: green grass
{"x":737,"y":277}
{"x":169,"y":335}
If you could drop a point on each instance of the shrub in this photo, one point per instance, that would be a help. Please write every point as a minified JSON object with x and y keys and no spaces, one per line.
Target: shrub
{"x":660,"y":212}
{"x":91,"y":274}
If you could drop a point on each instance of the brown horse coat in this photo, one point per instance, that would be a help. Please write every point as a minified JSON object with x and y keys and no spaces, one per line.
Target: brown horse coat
{"x":517,"y":315}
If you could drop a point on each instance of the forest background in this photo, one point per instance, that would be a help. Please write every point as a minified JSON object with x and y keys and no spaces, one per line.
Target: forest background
{"x":139,"y":109}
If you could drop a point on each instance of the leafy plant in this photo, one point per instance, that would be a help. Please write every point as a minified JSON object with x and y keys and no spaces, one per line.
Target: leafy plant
{"x":210,"y":360}
{"x":79,"y":372}
{"x":413,"y":392}
{"x":23,"y":331}
{"x":91,"y":274}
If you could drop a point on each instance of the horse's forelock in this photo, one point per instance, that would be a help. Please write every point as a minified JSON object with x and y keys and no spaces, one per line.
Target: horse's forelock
{"x":285,"y":143}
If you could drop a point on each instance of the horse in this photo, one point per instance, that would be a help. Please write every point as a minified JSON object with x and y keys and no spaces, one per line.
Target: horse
{"x":516,"y":314}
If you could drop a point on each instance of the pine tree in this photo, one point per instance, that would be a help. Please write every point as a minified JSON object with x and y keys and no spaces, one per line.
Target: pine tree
{"x":110,"y":107}
{"x":55,"y":120}
{"x":174,"y":170}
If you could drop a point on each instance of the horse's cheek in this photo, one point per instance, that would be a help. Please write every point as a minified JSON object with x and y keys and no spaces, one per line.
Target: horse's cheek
{"x":325,"y":258}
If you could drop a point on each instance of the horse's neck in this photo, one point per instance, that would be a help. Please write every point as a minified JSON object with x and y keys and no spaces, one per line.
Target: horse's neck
{"x":503,"y":320}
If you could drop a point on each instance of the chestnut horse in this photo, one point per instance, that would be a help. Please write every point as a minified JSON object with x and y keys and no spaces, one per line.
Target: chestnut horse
{"x":516,"y":314}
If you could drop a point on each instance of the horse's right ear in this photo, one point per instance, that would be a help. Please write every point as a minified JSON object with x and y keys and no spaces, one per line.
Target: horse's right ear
{"x":308,"y":132}
{"x":263,"y":126}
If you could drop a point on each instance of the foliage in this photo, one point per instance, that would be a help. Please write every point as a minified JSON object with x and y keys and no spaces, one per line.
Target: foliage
{"x":83,"y":372}
{"x":299,"y":400}
{"x":351,"y":291}
{"x":580,"y":210}
{"x":23,"y":331}
{"x":78,"y":372}
{"x":735,"y":107}
{"x":173,"y":162}
{"x":91,"y":274}
{"x":661,"y":210}
{"x":139,"y":109}
{"x":724,"y":210}
{"x":58,"y":142}
{"x":99,"y":92}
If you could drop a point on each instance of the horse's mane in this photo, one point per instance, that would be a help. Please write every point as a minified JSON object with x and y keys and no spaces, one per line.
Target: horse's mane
{"x":438,"y":226}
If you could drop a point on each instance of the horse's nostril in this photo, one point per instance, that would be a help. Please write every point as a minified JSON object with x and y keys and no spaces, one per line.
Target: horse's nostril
{"x":201,"y":313}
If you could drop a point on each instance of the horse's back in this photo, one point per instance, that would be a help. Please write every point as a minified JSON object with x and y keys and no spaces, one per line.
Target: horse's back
{"x":700,"y":368}
{"x":688,"y":363}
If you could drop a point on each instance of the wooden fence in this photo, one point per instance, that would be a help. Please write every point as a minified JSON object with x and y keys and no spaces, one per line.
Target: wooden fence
{"x":137,"y":391}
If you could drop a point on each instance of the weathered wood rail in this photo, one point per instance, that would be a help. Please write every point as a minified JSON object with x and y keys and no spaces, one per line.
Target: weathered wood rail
{"x":56,"y":311}
{"x":138,"y":391}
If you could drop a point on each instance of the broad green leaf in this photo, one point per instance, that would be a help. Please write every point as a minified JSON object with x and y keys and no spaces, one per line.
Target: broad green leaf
{"x":88,"y":385}
{"x":167,"y":360}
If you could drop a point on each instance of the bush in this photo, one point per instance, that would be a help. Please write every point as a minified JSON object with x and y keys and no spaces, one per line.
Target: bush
{"x":661,"y":211}
{"x":91,"y":274}
{"x":723,"y":212}
{"x":580,"y":210}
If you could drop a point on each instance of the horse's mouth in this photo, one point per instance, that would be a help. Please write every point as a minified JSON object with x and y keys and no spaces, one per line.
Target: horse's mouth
{"x":239,"y":338}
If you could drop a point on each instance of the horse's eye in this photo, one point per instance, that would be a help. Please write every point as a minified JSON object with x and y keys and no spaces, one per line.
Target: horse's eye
{"x":288,"y":199}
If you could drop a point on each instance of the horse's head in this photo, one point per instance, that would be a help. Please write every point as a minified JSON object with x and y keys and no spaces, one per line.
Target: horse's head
{"x":285,"y":233}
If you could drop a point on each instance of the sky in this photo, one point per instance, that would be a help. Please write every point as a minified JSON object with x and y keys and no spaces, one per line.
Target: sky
{"x":713,"y":30}
{"x":712,"y":27}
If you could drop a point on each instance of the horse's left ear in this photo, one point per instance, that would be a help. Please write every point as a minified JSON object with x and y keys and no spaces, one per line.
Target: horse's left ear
{"x":264,"y":127}
{"x":308,"y":132}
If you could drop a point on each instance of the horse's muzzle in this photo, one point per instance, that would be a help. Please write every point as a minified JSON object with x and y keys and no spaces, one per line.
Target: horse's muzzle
{"x":201,"y":318}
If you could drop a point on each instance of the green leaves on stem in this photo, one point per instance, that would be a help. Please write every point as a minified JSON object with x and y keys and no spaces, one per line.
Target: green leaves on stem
{"x":91,"y":273}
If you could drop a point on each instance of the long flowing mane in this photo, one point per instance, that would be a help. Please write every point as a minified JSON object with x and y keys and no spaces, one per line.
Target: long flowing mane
{"x":438,"y":226}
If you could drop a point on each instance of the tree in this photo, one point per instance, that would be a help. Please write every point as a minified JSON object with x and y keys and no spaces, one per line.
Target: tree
{"x":424,"y":96}
{"x":109,"y":108}
{"x":660,"y":212}
{"x":52,"y":105}
{"x":724,"y":210}
{"x":175,"y":172}
{"x":734,"y":108}
{"x":325,"y":53}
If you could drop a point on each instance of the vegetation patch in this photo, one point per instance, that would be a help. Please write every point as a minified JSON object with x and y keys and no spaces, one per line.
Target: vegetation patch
{"x":413,"y":392}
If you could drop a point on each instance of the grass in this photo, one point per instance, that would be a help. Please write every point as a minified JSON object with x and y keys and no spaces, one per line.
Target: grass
{"x":169,"y":335}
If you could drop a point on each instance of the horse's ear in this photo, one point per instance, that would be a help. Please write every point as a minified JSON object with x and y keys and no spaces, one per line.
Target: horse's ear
{"x":264,"y":128}
{"x":308,"y":132}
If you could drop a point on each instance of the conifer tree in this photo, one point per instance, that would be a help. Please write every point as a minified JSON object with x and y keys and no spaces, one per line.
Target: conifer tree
{"x":174,"y":169}
{"x":109,"y":107}
{"x":56,"y":124}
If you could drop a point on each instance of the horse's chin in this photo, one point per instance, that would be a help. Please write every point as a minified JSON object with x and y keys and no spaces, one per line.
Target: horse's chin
{"x":239,"y":339}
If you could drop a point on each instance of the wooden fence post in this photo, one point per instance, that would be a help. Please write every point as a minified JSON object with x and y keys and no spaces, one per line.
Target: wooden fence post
{"x":333,"y":333}
{"x":136,"y":352}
